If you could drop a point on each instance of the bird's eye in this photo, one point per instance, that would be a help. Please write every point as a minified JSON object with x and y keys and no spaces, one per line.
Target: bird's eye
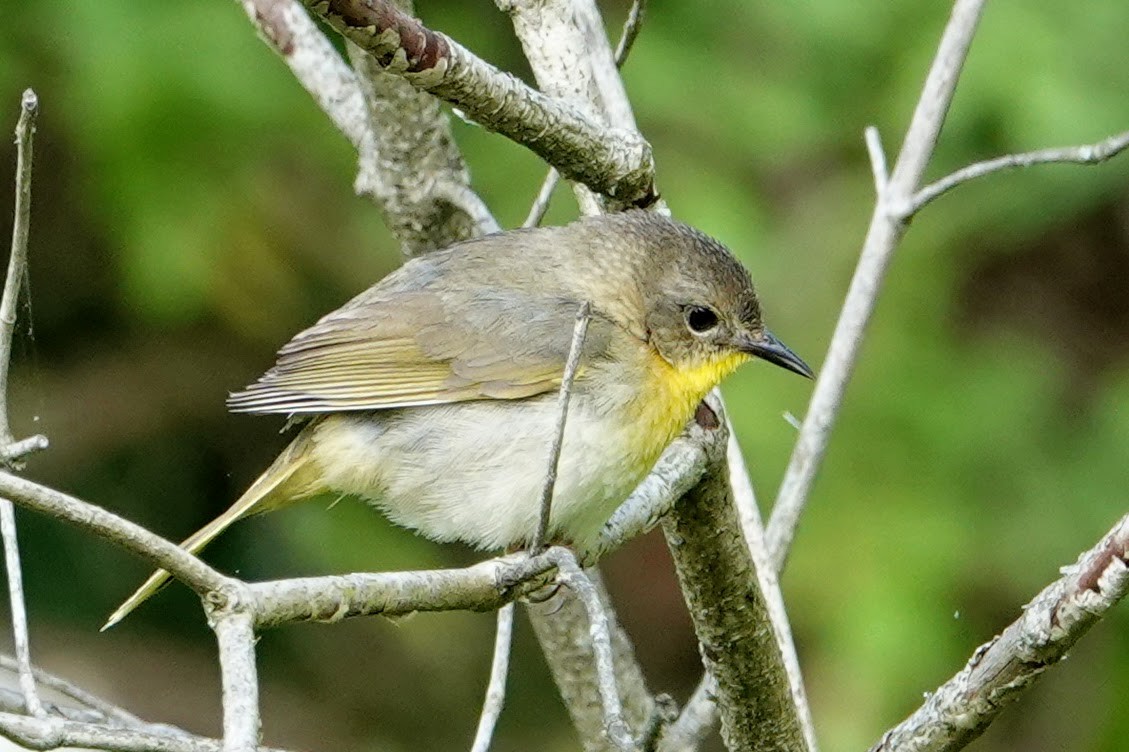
{"x":700,"y":319}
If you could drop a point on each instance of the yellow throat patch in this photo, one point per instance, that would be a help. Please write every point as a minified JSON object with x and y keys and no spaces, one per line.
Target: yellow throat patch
{"x":672,"y":395}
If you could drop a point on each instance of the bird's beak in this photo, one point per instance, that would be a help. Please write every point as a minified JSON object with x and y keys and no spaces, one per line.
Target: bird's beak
{"x":768,"y":347}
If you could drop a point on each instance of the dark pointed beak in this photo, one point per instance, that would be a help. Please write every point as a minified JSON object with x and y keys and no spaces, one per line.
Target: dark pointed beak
{"x":768,"y":347}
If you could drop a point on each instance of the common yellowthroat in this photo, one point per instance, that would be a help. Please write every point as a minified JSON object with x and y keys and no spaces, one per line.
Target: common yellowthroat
{"x":432,"y":394}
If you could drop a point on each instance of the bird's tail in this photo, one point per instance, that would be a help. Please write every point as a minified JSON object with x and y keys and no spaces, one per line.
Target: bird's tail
{"x":287,"y":480}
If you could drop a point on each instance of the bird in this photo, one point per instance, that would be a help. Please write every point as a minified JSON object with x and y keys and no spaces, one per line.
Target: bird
{"x":432,"y":395}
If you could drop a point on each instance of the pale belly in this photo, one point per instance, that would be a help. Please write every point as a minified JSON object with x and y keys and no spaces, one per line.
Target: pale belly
{"x":474,"y":471}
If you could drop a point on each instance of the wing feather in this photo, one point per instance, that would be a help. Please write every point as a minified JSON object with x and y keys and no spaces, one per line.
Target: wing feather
{"x":410,"y":347}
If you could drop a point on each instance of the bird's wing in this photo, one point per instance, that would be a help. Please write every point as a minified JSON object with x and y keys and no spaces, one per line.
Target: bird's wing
{"x":399,"y":348}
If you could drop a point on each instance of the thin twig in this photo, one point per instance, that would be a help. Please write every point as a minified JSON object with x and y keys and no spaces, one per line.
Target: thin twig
{"x":17,"y":261}
{"x":17,"y":266}
{"x":544,"y":196}
{"x":10,"y":454}
{"x":579,"y":330}
{"x":572,"y":576}
{"x":496,"y":688}
{"x":877,"y":160}
{"x":19,"y":609}
{"x":631,"y":27}
{"x":886,"y":229}
{"x":1087,"y":154}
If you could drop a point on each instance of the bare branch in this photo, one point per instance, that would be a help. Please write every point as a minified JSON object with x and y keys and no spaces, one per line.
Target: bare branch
{"x":496,"y":688}
{"x":234,"y":626}
{"x":56,"y":732}
{"x":752,"y":528}
{"x":570,"y":575}
{"x":614,"y":105}
{"x":729,"y":611}
{"x":17,"y":260}
{"x":678,"y":470}
{"x":631,"y":28}
{"x":579,"y":330}
{"x":481,"y":587}
{"x":459,"y":195}
{"x":106,"y":710}
{"x":877,"y":160}
{"x":17,"y":267}
{"x":1000,"y":670}
{"x":408,"y":161}
{"x":130,"y":536}
{"x":612,"y":161}
{"x":19,"y":609}
{"x":1087,"y":154}
{"x":544,"y":196}
{"x":411,"y":167}
{"x":562,"y":627}
{"x":887,"y":225}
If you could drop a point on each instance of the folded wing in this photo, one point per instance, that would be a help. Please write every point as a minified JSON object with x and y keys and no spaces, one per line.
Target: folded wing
{"x":400,"y":348}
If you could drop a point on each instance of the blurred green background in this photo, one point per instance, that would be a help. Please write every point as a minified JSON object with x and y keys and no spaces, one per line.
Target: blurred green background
{"x":193,"y":209}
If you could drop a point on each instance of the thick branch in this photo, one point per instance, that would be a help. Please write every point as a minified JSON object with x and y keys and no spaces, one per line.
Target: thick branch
{"x":731,"y":618}
{"x":615,"y":162}
{"x":1000,"y":670}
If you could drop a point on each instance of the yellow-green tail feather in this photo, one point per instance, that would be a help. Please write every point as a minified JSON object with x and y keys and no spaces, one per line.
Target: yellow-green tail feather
{"x":280,"y":485}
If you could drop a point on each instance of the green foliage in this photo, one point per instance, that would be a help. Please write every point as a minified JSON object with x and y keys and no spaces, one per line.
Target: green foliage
{"x":976,"y":453}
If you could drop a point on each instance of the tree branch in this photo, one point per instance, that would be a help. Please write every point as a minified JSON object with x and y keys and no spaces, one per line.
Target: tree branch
{"x":496,"y":687}
{"x":696,"y":720}
{"x":562,"y":627}
{"x":1000,"y":670}
{"x":481,"y":587}
{"x":731,"y":618}
{"x":130,"y":536}
{"x":752,"y":528}
{"x":233,"y":624}
{"x":1087,"y":154}
{"x":576,"y":347}
{"x":17,"y":268}
{"x":631,"y":28}
{"x":615,"y":162}
{"x":411,"y":167}
{"x":887,"y":225}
